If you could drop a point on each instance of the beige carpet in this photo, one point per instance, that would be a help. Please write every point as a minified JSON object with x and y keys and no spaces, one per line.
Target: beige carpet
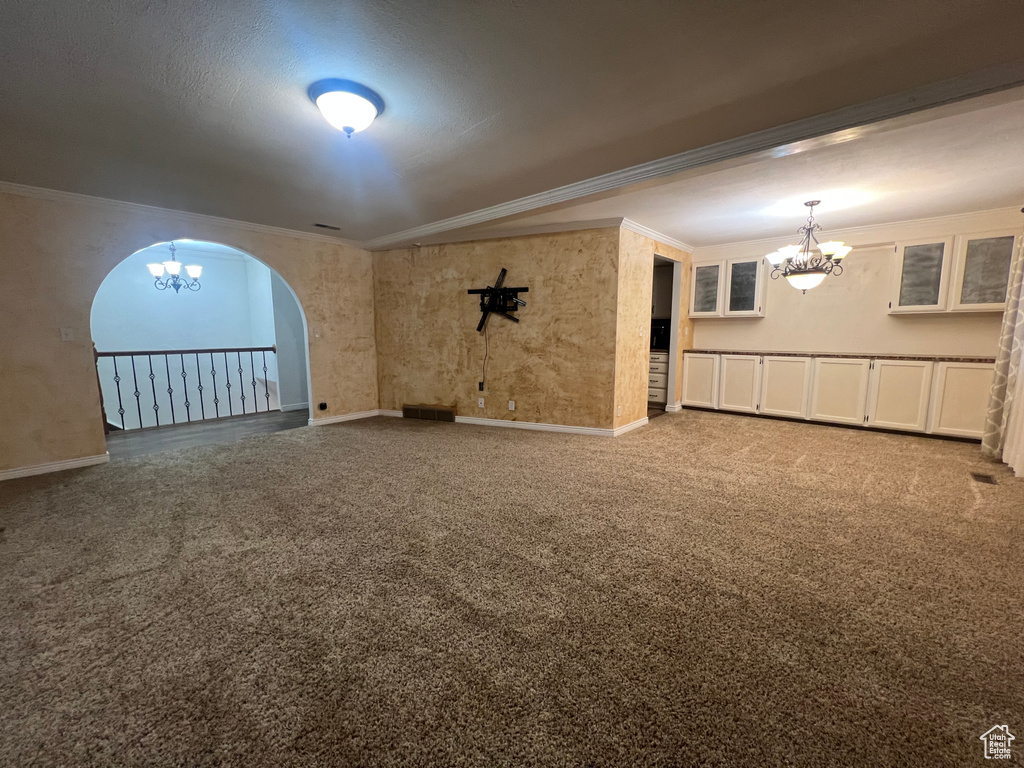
{"x":713,"y":590}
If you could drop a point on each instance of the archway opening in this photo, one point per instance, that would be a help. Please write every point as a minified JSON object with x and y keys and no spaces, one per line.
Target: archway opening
{"x":229,"y":343}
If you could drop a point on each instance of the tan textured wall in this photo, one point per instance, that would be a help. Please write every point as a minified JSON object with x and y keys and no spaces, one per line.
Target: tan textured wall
{"x":558,"y":364}
{"x":633,"y":336}
{"x":55,"y":254}
{"x":636,"y":268}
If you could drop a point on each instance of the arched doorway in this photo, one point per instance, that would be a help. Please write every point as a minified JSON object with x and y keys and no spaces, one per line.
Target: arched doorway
{"x":231,"y":342}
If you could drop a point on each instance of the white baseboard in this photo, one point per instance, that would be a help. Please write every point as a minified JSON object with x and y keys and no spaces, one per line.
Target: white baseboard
{"x":392,"y":414}
{"x":343,"y":417}
{"x":630,"y":427}
{"x":674,"y":407}
{"x":295,"y":407}
{"x":54,"y":466}
{"x":540,"y":427}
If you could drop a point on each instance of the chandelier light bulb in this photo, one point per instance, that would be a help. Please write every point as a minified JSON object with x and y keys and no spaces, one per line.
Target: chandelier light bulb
{"x":194,"y":271}
{"x":841,"y":252}
{"x":173,"y":267}
{"x":348,"y":106}
{"x":802,"y":281}
{"x":156,"y":270}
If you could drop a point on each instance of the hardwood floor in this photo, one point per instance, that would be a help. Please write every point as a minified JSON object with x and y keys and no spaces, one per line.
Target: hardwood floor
{"x":132,"y":443}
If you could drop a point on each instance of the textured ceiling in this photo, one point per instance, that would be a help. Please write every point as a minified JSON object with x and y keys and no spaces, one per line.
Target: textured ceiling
{"x":201,"y":106}
{"x":954,"y":159}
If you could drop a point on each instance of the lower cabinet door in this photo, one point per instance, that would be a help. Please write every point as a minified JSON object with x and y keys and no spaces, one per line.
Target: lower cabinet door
{"x":960,"y":399}
{"x":898,"y":394}
{"x":740,"y":383}
{"x":785,"y":385}
{"x":839,"y":390}
{"x":700,"y":380}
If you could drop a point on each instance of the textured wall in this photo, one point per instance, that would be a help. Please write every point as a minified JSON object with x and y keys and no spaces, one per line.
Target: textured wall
{"x":558,"y":364}
{"x":636,"y":274}
{"x":55,"y":254}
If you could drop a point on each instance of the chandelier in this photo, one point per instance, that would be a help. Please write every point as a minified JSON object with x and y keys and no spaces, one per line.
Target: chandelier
{"x":807,"y":264}
{"x":174,"y":279}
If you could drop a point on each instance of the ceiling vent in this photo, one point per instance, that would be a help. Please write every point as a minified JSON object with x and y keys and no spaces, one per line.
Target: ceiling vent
{"x":429,"y":412}
{"x":328,"y":226}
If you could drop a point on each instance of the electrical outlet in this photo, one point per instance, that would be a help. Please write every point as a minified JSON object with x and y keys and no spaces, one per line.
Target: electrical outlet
{"x":67,"y":334}
{"x":511,"y":405}
{"x":641,"y":331}
{"x":479,"y":402}
{"x":618,"y":411}
{"x":686,"y":331}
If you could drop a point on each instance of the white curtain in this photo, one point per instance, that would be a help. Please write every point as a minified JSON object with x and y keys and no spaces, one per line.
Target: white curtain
{"x":1004,"y":424}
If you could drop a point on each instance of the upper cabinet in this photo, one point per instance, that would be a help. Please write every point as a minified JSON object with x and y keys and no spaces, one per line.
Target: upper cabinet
{"x":728,"y":288}
{"x":982,"y":271}
{"x":966,"y":273}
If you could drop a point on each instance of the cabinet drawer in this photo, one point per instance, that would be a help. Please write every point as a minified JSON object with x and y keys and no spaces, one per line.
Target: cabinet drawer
{"x":658,"y":367}
{"x":657,"y":380}
{"x":657,"y":395}
{"x":659,"y":357}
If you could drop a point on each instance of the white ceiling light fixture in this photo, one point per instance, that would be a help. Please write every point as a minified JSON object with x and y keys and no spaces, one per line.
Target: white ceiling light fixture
{"x":805,"y":265}
{"x":347,"y":105}
{"x":174,"y":280}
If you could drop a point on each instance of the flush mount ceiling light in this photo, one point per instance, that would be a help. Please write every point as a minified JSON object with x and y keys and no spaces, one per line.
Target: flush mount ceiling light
{"x":805,"y":266}
{"x":174,"y":279}
{"x":347,"y":105}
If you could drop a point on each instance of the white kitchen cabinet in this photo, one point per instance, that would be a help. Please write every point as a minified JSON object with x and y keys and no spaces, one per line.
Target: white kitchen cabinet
{"x":785,"y":386}
{"x":739,"y":383}
{"x":839,"y":389}
{"x":960,"y":400}
{"x":744,"y":288}
{"x":921,"y":276}
{"x":981,"y":271}
{"x":700,"y":379}
{"x":707,"y":287}
{"x":898,"y":394}
{"x":733,"y":288}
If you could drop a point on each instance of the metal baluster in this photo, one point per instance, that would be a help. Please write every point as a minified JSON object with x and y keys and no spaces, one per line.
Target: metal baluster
{"x":216,"y":398}
{"x":241,"y":384}
{"x":227,"y":383}
{"x":252,"y":370}
{"x":266,"y":384}
{"x":152,"y":383}
{"x":184,"y":387}
{"x":170,"y":389}
{"x":199,"y":375}
{"x":138,"y":395}
{"x":117,"y":381}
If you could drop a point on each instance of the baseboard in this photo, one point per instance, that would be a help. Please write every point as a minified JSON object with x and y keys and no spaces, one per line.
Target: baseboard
{"x":674,"y":407}
{"x":343,"y":417}
{"x":54,"y":466}
{"x":630,"y":427}
{"x":296,"y":407}
{"x":541,"y":427}
{"x":392,"y":414}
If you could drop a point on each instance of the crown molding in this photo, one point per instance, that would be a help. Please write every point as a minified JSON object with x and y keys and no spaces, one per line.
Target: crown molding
{"x":861,"y":237}
{"x":640,"y":229}
{"x":57,"y":195}
{"x":978,"y":83}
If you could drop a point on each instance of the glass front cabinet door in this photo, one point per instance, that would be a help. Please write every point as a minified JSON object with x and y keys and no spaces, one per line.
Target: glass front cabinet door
{"x":982,"y":272}
{"x":966,"y":273}
{"x":727,"y":288}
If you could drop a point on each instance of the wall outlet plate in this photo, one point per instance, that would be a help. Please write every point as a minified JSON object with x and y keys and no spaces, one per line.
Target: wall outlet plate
{"x":511,"y":405}
{"x":67,"y":334}
{"x":479,"y":402}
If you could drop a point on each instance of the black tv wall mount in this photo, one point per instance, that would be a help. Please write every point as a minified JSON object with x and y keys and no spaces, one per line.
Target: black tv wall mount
{"x":499,"y":300}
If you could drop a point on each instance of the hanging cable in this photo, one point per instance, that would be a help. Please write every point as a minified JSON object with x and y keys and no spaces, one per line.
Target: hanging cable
{"x":483,"y":372}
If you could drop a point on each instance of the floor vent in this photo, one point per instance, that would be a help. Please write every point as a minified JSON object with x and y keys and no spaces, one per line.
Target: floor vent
{"x":987,"y":479}
{"x":428,"y":412}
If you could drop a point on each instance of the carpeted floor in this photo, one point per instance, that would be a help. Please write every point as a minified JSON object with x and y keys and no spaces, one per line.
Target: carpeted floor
{"x":709,"y":590}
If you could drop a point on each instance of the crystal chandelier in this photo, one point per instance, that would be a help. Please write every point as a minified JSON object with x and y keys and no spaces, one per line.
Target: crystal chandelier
{"x":807,"y":264}
{"x":174,"y":279}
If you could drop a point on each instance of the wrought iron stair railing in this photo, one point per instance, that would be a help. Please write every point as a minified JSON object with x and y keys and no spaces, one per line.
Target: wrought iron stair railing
{"x":213,"y":384}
